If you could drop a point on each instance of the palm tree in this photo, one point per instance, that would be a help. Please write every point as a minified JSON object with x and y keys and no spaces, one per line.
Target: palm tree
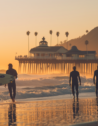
{"x":86,"y":31}
{"x":28,"y":40}
{"x":50,"y":36}
{"x":57,"y":33}
{"x":86,"y":43}
{"x":36,"y":38}
{"x":67,"y":33}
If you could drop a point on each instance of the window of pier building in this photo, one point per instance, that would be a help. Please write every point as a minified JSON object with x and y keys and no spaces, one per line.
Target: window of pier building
{"x":37,"y":54}
{"x":51,"y":55}
{"x":91,"y":55}
{"x":69,"y":55}
{"x":74,"y":55}
{"x":81,"y":56}
{"x":42,"y":54}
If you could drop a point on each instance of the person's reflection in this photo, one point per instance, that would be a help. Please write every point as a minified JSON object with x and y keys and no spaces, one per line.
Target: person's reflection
{"x":75,"y":108}
{"x":12,"y":114}
{"x":97,"y":101}
{"x":97,"y":105}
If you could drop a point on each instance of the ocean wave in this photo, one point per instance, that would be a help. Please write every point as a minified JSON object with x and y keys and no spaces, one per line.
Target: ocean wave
{"x":45,"y":86}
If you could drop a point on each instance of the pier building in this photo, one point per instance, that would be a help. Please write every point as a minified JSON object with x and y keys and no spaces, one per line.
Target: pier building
{"x":56,"y":59}
{"x":74,"y":53}
{"x":43,"y":51}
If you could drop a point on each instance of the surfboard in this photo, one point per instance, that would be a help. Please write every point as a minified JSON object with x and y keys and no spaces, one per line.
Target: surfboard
{"x":6,"y":78}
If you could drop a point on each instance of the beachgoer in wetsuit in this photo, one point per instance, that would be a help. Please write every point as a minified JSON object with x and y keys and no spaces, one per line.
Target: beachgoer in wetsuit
{"x":96,"y":75}
{"x":74,"y":75}
{"x":12,"y":86}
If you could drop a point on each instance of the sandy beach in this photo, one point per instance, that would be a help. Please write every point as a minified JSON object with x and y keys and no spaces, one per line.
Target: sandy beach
{"x":50,"y":112}
{"x":46,"y":100}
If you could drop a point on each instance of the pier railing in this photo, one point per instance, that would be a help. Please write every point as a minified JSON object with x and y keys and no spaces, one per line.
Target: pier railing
{"x":57,"y":58}
{"x":30,"y":57}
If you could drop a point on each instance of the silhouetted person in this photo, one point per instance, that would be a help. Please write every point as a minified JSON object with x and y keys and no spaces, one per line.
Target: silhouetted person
{"x":12,"y":115}
{"x":74,"y":75}
{"x":96,"y":82}
{"x":12,"y":85}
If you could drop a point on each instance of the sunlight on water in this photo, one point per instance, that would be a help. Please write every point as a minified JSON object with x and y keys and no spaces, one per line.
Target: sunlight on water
{"x":49,"y":113}
{"x":86,"y":69}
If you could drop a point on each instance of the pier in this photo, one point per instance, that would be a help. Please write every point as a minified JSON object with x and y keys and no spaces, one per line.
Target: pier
{"x":42,"y":66}
{"x":46,"y":59}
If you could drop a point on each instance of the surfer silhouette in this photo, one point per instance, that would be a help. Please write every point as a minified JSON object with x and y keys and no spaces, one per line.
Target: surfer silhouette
{"x":74,"y":75}
{"x":96,"y":80}
{"x":12,"y":85}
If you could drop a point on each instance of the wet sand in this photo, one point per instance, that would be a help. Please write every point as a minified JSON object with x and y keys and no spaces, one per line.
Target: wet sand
{"x":50,"y":113}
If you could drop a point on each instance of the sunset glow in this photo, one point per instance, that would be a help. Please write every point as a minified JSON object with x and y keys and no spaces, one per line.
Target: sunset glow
{"x":17,"y":17}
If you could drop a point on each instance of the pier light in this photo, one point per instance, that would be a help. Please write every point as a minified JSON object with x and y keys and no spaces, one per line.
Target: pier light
{"x":28,"y":33}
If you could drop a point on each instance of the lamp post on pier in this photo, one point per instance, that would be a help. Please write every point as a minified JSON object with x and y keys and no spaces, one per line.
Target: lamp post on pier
{"x":28,"y":40}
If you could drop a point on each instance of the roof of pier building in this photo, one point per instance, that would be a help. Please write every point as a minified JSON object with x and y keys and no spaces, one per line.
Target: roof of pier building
{"x":44,"y":48}
{"x":74,"y":50}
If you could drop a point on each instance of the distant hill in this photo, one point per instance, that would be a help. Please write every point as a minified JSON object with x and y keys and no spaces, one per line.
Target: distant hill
{"x":2,"y":71}
{"x":92,"y":37}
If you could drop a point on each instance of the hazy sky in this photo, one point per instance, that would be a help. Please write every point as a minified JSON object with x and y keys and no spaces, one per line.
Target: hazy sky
{"x":19,"y":16}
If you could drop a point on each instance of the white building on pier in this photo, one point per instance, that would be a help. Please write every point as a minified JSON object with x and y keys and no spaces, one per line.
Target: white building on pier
{"x":45,"y":51}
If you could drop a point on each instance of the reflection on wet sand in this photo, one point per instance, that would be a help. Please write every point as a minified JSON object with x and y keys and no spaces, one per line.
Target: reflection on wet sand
{"x":49,"y":113}
{"x":75,"y":109}
{"x":12,"y":114}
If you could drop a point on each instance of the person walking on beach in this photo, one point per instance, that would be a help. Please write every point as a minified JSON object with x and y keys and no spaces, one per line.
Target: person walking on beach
{"x":12,"y":86}
{"x":74,"y":75}
{"x":96,"y":82}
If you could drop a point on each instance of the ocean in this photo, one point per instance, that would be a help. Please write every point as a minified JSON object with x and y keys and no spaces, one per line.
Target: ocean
{"x":46,"y":86}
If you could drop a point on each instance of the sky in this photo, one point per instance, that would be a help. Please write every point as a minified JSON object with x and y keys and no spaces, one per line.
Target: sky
{"x":19,"y":16}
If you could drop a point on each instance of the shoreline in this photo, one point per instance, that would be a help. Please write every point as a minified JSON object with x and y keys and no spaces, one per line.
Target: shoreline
{"x":58,"y":97}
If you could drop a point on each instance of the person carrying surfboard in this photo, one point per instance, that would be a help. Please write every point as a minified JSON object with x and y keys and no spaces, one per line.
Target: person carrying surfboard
{"x":96,"y":82}
{"x":74,"y":75}
{"x":12,"y":85}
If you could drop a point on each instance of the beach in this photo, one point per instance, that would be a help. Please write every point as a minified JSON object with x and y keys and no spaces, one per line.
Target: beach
{"x":46,"y":100}
{"x":49,"y":112}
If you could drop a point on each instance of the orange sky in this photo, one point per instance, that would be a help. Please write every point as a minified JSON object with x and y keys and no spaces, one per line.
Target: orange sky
{"x":19,"y":16}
